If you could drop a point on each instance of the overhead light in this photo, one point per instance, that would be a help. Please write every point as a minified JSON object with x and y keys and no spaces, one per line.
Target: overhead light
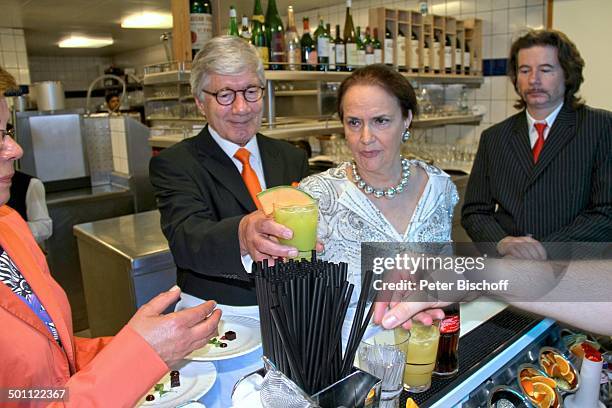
{"x":147,"y":19}
{"x":80,"y":41}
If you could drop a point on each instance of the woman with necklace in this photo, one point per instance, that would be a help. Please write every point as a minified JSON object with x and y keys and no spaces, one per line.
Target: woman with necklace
{"x":380,"y":196}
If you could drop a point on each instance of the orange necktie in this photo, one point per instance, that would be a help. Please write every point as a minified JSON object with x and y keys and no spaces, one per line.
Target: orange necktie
{"x":248,"y":175}
{"x":539,"y":144}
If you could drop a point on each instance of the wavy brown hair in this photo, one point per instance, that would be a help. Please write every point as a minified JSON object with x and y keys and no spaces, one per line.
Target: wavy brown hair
{"x":387,"y":78}
{"x":569,"y":58}
{"x":7,"y":82}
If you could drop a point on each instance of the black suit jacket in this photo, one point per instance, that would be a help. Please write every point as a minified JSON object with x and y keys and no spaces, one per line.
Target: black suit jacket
{"x":202,"y":198}
{"x":566,"y":196}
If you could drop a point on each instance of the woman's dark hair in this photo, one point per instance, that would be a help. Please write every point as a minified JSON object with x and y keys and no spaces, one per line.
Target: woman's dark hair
{"x":569,"y":58}
{"x":110,"y":96}
{"x":387,"y":78}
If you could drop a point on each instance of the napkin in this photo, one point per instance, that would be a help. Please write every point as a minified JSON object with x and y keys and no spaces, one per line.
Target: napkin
{"x":247,"y":392}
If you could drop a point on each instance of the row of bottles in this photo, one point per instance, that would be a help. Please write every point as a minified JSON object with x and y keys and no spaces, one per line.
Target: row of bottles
{"x":431,"y":62}
{"x":282,"y":48}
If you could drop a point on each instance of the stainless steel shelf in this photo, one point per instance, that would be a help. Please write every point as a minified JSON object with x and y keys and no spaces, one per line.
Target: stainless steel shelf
{"x":329,"y":76}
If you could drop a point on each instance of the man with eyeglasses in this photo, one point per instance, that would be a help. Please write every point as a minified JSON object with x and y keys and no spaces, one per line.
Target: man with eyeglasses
{"x":206,"y":186}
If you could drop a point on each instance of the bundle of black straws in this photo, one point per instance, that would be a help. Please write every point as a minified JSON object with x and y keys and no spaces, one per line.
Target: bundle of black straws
{"x":302,"y":305}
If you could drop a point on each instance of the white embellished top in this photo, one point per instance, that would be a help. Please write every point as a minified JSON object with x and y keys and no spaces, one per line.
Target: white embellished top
{"x":347,"y":217}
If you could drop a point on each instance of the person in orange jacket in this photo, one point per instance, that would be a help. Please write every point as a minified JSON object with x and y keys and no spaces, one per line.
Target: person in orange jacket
{"x":38,"y":350}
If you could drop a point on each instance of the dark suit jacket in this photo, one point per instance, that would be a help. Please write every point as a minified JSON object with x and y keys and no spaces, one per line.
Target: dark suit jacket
{"x":566,"y":196}
{"x":202,"y":198}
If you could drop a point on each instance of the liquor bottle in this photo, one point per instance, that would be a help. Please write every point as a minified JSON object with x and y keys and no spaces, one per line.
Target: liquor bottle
{"x":200,"y":24}
{"x":245,"y":32}
{"x":377,"y":48}
{"x":389,"y":46}
{"x":466,"y":58}
{"x":369,"y":48}
{"x":322,"y":40}
{"x":401,"y":50}
{"x":309,"y":48}
{"x":259,"y":37}
{"x":448,"y":55}
{"x":447,"y":362}
{"x":276,"y":36}
{"x":292,"y":43}
{"x":435,"y":54}
{"x":414,"y":52}
{"x":427,"y":55}
{"x":360,"y":47}
{"x":340,"y":51}
{"x":233,"y":24}
{"x":458,"y":55}
{"x":332,"y":48}
{"x":350,"y":40}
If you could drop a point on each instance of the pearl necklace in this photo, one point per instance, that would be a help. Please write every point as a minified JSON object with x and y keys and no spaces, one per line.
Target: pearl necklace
{"x":390,"y":192}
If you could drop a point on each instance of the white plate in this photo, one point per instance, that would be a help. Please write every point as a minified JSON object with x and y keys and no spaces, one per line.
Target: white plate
{"x":196,"y":379}
{"x":248,"y":338}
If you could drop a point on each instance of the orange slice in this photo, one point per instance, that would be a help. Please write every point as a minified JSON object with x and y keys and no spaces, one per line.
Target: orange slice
{"x":548,"y":393}
{"x":564,"y":366}
{"x":527,"y":386}
{"x":411,"y":404}
{"x":546,"y":380}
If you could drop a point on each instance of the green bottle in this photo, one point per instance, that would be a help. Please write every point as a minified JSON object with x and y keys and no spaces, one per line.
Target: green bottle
{"x":350,"y":41}
{"x":276,"y":36}
{"x":200,"y":24}
{"x":258,"y":34}
{"x":322,"y":40}
{"x":233,"y":24}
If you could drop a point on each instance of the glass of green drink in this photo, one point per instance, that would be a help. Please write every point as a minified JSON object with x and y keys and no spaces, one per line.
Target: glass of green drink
{"x":302,"y":220}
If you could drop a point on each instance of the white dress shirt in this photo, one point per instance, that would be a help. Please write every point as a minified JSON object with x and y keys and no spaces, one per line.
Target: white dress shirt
{"x":36,"y":209}
{"x":230,"y":148}
{"x":550,"y":119}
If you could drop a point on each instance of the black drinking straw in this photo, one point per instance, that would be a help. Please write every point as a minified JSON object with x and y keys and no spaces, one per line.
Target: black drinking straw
{"x":290,"y":351}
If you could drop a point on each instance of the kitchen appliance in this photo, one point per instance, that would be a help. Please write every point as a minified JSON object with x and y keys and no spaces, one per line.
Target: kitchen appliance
{"x":49,"y":95}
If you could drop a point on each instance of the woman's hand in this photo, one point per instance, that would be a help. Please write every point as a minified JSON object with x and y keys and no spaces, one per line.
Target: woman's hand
{"x":175,"y":335}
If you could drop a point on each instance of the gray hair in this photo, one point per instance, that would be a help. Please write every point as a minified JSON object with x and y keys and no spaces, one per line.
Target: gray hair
{"x":224,"y":55}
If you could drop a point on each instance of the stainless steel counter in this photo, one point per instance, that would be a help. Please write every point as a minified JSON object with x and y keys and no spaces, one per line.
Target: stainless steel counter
{"x":125,"y":261}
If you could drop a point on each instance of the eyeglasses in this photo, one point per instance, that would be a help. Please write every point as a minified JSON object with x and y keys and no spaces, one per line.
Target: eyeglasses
{"x":227,"y":96}
{"x":4,"y":133}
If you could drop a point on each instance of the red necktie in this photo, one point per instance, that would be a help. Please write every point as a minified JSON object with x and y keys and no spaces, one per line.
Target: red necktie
{"x":248,"y":175}
{"x":539,"y":144}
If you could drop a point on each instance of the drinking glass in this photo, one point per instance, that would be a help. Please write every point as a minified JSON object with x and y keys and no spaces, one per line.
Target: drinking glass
{"x":421,"y":352}
{"x":383,"y":357}
{"x":302,"y":220}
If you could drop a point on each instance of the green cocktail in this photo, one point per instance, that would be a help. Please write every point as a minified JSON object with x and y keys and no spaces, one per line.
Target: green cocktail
{"x":302,"y":220}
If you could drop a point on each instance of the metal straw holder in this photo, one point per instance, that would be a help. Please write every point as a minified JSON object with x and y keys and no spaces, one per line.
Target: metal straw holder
{"x":359,"y":389}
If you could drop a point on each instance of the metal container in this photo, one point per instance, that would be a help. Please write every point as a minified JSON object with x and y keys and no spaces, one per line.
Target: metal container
{"x":49,"y":95}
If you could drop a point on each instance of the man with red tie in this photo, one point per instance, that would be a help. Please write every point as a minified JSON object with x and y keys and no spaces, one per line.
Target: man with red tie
{"x":544,"y":174}
{"x":206,"y":186}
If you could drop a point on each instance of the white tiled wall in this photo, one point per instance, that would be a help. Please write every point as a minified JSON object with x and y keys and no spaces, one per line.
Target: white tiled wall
{"x":76,"y":73}
{"x":13,"y":54}
{"x":503,"y":21}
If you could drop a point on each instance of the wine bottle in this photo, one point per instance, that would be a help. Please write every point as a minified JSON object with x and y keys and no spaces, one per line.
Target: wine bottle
{"x":389,"y":46}
{"x":466,"y":58}
{"x":401,"y":50}
{"x":414,"y":52}
{"x":350,"y":40}
{"x":200,"y":24}
{"x":369,"y":48}
{"x":448,"y":55}
{"x":458,"y":55}
{"x":322,"y":40}
{"x":233,"y":24}
{"x":427,"y":55}
{"x":258,"y":34}
{"x":360,"y":47}
{"x":377,"y":48}
{"x":244,"y":30}
{"x":340,"y":51}
{"x":292,"y":42}
{"x":435,"y":54}
{"x":332,"y":48}
{"x":276,"y":36}
{"x":309,"y":48}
